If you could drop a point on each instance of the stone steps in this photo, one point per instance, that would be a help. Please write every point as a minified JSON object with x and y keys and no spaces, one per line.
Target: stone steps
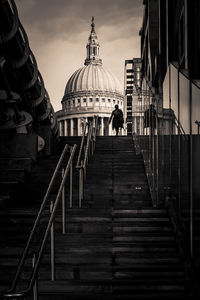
{"x":118,"y":246}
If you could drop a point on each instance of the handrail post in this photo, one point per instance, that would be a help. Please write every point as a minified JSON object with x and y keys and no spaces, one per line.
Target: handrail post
{"x":44,"y":202}
{"x":52,"y":238}
{"x":35,"y":287}
{"x":85,"y":173}
{"x":80,"y":185}
{"x":85,"y":152}
{"x":63,"y":207}
{"x":71,"y":185}
{"x":92,"y":143}
{"x":13,"y":293}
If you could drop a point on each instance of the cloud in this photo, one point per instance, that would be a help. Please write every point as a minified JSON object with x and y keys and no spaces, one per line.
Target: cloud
{"x":67,"y":18}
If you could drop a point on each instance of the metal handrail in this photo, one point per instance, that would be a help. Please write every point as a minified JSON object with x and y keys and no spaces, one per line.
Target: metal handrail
{"x":94,"y":133}
{"x":85,"y":153}
{"x":12,"y":291}
{"x":89,"y":139}
{"x":81,"y":146}
{"x":178,"y":125}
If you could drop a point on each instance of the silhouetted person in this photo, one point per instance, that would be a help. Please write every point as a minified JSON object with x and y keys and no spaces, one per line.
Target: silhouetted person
{"x":118,"y":119}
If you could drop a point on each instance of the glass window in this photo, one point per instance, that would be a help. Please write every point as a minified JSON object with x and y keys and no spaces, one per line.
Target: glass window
{"x":79,"y":100}
{"x":103,"y":99}
{"x":91,"y":99}
{"x":84,"y":99}
{"x":114,"y":101}
{"x":108,"y":100}
{"x":97,"y":99}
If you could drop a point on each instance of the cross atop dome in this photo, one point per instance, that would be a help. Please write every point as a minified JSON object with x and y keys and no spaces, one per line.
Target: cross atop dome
{"x":93,"y":47}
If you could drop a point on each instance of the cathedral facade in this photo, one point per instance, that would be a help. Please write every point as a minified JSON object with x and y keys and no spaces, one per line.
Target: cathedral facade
{"x":91,"y":90}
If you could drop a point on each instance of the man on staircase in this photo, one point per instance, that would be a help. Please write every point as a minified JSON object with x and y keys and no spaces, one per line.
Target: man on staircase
{"x":118,"y":119}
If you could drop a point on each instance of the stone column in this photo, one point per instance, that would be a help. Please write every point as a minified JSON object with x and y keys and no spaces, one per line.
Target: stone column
{"x":65,"y":127}
{"x":60,"y":127}
{"x":110,"y":129}
{"x":71,"y":127}
{"x":106,"y":125}
{"x":102,"y":126}
{"x":78,"y":126}
{"x":85,"y":122}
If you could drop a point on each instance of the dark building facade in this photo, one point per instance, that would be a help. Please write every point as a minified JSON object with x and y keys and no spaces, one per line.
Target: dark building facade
{"x":170,"y":93}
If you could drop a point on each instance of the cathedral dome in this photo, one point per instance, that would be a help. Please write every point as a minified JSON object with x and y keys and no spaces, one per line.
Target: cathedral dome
{"x":91,"y":90}
{"x":93,"y":77}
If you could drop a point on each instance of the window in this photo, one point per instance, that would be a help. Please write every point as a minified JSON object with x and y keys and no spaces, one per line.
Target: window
{"x":84,"y":100}
{"x":108,"y":100}
{"x":79,"y":100}
{"x":103,"y":99}
{"x":114,"y":101}
{"x":73,"y":102}
{"x":91,"y":100}
{"x":97,"y":99}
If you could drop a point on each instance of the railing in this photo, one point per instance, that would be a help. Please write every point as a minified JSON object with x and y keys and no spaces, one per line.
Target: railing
{"x":86,"y":149}
{"x":179,"y":127}
{"x":14,"y":292}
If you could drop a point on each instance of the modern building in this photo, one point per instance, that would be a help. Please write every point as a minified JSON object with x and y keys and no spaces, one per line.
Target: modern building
{"x":133,"y":111}
{"x":169,"y":63}
{"x":170,"y":92}
{"x":91,"y":90}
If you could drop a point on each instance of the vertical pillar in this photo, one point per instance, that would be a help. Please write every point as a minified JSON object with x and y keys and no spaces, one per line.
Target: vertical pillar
{"x":78,"y":126}
{"x":102,"y":126}
{"x":106,"y":125}
{"x":85,"y":122}
{"x":71,"y":127}
{"x":110,"y":129}
{"x":68,"y":127}
{"x":65,"y":127}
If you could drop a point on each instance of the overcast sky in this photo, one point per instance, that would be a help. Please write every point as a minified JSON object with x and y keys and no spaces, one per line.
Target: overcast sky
{"x":58,"y":32}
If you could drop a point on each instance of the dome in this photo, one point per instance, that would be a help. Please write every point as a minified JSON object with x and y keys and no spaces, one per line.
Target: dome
{"x":93,"y":77}
{"x":90,"y":91}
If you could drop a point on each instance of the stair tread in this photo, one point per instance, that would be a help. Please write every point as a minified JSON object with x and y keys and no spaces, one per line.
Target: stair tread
{"x":117,"y":245}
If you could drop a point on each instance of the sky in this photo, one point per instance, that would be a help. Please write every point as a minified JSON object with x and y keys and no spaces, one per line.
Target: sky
{"x":58,"y":32}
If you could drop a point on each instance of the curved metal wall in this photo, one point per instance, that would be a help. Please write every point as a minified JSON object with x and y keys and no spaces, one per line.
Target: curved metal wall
{"x":21,"y":68}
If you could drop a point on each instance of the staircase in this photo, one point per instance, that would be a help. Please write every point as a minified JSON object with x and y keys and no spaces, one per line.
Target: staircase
{"x":18,"y":213}
{"x":118,"y":246}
